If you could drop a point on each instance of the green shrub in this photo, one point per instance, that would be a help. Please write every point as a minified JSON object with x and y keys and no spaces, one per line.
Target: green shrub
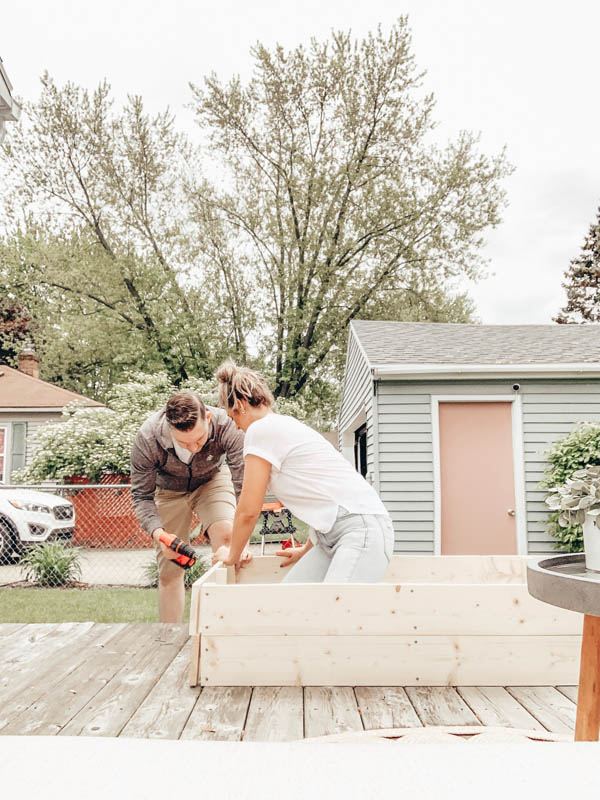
{"x":51,"y":564}
{"x":577,"y":450}
{"x":190,"y":575}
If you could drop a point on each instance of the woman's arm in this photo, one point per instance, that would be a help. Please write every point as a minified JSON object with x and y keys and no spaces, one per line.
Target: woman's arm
{"x":257,"y":472}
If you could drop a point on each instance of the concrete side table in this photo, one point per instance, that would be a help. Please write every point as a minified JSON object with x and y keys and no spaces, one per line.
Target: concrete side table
{"x":564,"y":581}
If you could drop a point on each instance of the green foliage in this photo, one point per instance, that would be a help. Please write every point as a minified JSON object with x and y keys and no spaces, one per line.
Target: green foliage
{"x":573,"y":452}
{"x":582,"y":281}
{"x":51,"y":564}
{"x":189,"y":576}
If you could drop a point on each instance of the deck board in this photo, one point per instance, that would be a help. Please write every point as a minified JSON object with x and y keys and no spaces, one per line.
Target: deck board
{"x":130,"y":680}
{"x":330,"y":709}
{"x":275,"y":714}
{"x":496,"y":707}
{"x":219,"y":714}
{"x":112,"y":706}
{"x":165,"y":711}
{"x":385,"y":707}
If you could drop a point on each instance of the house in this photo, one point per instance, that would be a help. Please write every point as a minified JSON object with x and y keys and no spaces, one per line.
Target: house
{"x":9,"y":108}
{"x":26,"y":402}
{"x":450,"y":423}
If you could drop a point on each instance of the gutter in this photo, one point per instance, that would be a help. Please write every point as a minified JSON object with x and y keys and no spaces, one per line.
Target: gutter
{"x":466,"y":371}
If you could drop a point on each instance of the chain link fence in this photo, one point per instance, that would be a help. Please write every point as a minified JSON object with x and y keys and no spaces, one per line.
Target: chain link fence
{"x":88,"y":534}
{"x":92,"y":527}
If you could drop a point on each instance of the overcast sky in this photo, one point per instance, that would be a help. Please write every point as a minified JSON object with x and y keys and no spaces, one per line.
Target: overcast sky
{"x":525,"y":74}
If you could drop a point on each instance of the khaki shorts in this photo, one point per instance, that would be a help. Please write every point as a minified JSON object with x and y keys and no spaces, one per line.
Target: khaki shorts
{"x":212,"y":502}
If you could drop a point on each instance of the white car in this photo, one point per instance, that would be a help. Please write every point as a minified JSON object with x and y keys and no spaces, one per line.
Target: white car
{"x":28,"y":517}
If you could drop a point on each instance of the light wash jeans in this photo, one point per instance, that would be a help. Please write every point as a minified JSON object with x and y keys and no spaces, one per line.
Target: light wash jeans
{"x":357,"y":549}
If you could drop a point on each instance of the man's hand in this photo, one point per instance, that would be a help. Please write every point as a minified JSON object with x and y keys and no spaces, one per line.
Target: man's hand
{"x":291,"y":555}
{"x":166,"y":551}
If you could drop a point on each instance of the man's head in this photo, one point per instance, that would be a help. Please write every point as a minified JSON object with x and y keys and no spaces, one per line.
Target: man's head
{"x":188,"y":420}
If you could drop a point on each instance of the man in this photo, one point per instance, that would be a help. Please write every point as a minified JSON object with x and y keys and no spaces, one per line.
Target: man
{"x":177,"y":467}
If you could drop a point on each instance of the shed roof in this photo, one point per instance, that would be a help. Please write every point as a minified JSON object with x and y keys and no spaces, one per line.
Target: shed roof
{"x":405,"y":345}
{"x":19,"y":391}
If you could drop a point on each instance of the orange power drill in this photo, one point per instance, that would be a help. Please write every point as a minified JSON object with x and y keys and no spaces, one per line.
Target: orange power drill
{"x":186,"y":557}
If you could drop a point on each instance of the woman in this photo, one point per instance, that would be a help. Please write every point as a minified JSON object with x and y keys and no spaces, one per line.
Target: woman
{"x":353,"y":533}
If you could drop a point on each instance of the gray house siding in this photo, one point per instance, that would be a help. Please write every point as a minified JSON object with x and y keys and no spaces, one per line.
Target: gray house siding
{"x":550,"y":411}
{"x":33,"y":421}
{"x":357,"y":396}
{"x":405,"y":446}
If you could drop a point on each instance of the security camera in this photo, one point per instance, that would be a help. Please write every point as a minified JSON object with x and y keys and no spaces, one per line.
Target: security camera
{"x":516,"y":387}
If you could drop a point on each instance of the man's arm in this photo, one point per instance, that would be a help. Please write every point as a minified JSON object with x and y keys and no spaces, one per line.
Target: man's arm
{"x":143,"y":484}
{"x":232,"y":442}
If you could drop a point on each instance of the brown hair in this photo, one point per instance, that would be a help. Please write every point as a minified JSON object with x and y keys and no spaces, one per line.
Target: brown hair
{"x":240,"y":383}
{"x":183,"y":411}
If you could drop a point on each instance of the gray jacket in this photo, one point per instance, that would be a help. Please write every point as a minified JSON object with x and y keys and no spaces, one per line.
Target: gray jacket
{"x":154,"y":462}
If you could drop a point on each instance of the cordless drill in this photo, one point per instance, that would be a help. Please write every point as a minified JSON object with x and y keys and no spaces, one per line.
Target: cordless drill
{"x":186,"y":557}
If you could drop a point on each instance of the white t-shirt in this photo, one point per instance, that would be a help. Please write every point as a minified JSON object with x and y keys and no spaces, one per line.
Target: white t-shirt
{"x":308,"y":475}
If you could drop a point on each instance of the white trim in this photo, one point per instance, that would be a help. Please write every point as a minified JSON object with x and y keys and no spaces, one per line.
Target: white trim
{"x":414,"y":371}
{"x":54,"y":410}
{"x":347,"y":434}
{"x":519,"y":471}
{"x":518,"y":462}
{"x":359,"y":343}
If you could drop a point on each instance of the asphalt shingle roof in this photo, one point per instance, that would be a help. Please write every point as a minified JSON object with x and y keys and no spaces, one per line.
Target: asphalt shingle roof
{"x":455,"y":343}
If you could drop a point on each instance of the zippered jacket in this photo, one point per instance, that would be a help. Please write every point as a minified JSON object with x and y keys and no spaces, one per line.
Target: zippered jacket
{"x":154,"y":462}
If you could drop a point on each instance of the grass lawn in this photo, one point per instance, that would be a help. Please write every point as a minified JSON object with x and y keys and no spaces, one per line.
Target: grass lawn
{"x":81,"y":605}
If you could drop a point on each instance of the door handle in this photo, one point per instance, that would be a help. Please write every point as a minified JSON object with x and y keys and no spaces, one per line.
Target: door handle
{"x":511,"y":512}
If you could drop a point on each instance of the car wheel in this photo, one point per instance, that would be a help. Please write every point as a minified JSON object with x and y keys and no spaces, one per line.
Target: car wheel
{"x":9,"y":541}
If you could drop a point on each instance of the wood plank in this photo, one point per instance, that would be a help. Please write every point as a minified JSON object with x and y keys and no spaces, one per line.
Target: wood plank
{"x":440,"y":706}
{"x":457,"y":569}
{"x":386,"y":707}
{"x":31,"y":636}
{"x":569,"y":691}
{"x":113,"y":705}
{"x":494,"y":706}
{"x":40,"y":661}
{"x":275,"y":714}
{"x":8,"y":628}
{"x":194,"y":666}
{"x":53,"y":703}
{"x":549,"y":706}
{"x":165,"y":711}
{"x":330,"y":710}
{"x":388,"y":660}
{"x":380,"y":610}
{"x":219,"y":714}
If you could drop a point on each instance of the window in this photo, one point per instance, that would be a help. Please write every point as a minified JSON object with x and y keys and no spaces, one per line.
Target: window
{"x":360,"y":450}
{"x":3,"y":439}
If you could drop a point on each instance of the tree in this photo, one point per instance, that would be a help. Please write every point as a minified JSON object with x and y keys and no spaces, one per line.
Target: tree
{"x":16,"y":329}
{"x":582,"y":282}
{"x":332,"y":191}
{"x":97,"y":229}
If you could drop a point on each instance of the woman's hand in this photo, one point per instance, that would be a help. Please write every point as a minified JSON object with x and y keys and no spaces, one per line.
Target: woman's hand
{"x":291,"y":555}
{"x":223,"y":554}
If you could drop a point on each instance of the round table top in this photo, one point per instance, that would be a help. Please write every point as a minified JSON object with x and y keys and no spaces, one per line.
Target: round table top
{"x":564,"y":581}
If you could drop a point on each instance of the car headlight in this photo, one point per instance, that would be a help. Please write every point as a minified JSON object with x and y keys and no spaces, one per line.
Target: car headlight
{"x":25,"y":506}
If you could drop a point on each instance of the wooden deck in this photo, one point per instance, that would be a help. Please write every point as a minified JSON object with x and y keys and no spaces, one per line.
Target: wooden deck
{"x":86,"y":679}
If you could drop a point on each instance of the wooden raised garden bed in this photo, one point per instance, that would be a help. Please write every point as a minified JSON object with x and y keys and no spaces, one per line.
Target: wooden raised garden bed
{"x":433,"y":621}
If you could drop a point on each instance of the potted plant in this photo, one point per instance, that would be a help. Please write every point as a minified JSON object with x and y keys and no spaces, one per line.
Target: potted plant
{"x":578,"y":503}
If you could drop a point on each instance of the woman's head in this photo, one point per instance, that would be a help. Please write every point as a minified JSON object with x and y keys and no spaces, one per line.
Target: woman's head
{"x":242,"y":390}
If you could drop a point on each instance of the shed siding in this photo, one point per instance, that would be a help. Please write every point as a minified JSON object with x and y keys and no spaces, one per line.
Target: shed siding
{"x":357,"y":396}
{"x":550,"y":410}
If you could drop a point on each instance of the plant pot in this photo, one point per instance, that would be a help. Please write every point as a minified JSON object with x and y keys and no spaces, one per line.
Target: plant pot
{"x":591,"y":543}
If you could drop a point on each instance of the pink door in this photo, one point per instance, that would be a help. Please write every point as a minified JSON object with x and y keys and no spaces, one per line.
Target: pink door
{"x":477,"y":479}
